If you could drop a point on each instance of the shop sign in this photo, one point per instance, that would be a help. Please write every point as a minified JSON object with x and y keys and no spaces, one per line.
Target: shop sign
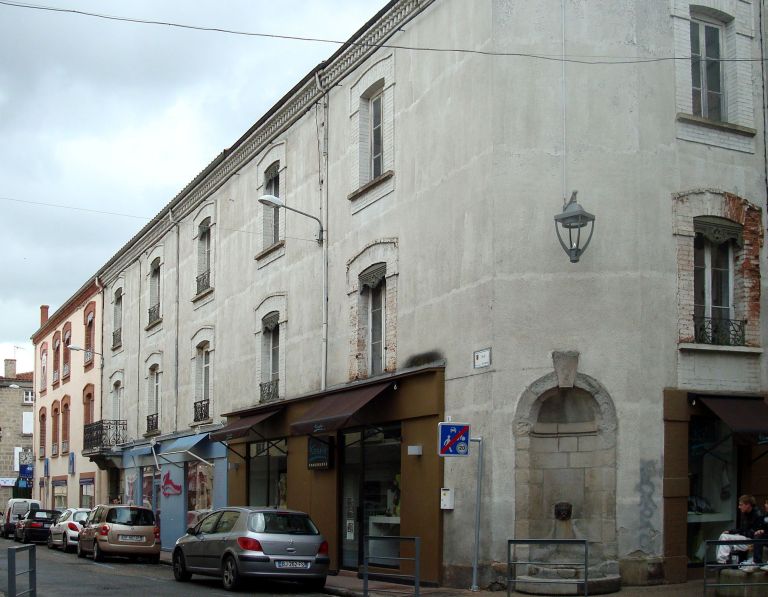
{"x":319,"y":453}
{"x":7,"y":481}
{"x":26,"y":471}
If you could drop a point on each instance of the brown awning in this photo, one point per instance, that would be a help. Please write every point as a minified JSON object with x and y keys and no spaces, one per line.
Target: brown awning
{"x":333,"y":411}
{"x":742,"y":415}
{"x":240,"y":427}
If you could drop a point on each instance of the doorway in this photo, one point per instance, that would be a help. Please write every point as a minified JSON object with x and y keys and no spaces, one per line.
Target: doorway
{"x":370,"y":504}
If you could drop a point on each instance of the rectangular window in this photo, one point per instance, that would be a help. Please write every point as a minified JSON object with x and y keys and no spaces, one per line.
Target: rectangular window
{"x":87,"y":496}
{"x":377,"y":328}
{"x":29,"y":396}
{"x":377,"y":140}
{"x":60,"y":497}
{"x":272,"y":214}
{"x":274,"y":354}
{"x":206,"y":393}
{"x":27,"y":423}
{"x":199,"y":491}
{"x":706,"y":70}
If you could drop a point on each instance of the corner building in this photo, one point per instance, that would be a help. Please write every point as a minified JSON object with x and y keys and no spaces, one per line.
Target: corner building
{"x":258,"y":356}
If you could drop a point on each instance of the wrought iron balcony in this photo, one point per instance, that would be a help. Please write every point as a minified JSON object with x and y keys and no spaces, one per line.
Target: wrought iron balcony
{"x":201,"y":410}
{"x":152,"y":422}
{"x":269,"y":390}
{"x":723,"y":332}
{"x":103,"y":435}
{"x":154,"y":313}
{"x":88,"y":355}
{"x":55,"y":375}
{"x":204,"y":281}
{"x":117,"y":337}
{"x":54,"y":449}
{"x":65,"y":370}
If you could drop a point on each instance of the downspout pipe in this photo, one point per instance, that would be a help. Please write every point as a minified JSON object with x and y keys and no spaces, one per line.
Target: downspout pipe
{"x":324,"y":216}
{"x":100,"y":288}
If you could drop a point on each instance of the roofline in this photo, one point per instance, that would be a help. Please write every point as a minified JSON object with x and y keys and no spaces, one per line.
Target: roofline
{"x":86,"y":291}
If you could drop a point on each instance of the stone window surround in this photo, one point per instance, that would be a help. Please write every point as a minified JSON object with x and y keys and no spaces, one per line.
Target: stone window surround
{"x":203,"y":340}
{"x":277,"y":301}
{"x":276,"y":152}
{"x":154,"y":361}
{"x":206,"y":211}
{"x":379,"y":251}
{"x":688,"y":205}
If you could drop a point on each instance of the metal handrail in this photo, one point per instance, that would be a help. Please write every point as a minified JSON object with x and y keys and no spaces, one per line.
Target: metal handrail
{"x":512,"y":563}
{"x":13,"y":573}
{"x":416,"y":559}
{"x":716,"y":567}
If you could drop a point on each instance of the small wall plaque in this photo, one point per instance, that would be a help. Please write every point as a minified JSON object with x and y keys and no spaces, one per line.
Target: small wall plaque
{"x":319,"y":453}
{"x":482,"y":358}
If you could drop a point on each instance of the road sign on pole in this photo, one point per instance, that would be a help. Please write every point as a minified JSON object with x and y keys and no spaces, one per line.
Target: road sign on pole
{"x":453,"y":439}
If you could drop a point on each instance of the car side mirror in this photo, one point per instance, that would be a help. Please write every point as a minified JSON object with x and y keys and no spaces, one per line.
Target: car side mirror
{"x":191,"y":531}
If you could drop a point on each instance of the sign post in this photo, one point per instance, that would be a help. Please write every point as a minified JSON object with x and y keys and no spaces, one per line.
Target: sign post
{"x":454,"y":439}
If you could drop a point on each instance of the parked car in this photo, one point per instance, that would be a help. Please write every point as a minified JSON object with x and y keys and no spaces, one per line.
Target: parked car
{"x":65,"y":532}
{"x":237,"y":543}
{"x":112,"y":530}
{"x":34,"y":525}
{"x":15,"y":509}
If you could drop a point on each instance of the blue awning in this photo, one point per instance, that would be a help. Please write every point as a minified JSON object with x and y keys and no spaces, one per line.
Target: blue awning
{"x":138,"y":451}
{"x":183,"y":444}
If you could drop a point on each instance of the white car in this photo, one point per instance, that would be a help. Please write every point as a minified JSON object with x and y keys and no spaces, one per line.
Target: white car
{"x":66,"y":531}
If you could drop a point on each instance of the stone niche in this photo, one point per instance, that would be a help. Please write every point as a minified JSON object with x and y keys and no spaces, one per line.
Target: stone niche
{"x":566,"y":455}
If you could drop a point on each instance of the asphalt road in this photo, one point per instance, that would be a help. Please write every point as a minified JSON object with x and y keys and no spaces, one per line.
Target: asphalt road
{"x":60,"y":573}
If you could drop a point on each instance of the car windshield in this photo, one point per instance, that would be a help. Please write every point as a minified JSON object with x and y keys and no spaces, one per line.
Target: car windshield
{"x":291,"y":523}
{"x":80,"y":516}
{"x":131,"y":516}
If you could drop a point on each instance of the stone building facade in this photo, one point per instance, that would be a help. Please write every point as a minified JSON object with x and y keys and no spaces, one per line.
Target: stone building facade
{"x":260,"y":356}
{"x":16,"y":426}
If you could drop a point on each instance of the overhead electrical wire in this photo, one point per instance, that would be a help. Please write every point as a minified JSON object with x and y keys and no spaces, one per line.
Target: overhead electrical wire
{"x":574,"y":60}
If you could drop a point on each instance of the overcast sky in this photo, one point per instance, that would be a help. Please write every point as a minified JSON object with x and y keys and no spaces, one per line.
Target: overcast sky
{"x":118,"y":117}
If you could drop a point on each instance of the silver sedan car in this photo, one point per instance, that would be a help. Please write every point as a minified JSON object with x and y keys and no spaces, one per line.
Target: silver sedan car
{"x":65,"y":531}
{"x":235,"y":543}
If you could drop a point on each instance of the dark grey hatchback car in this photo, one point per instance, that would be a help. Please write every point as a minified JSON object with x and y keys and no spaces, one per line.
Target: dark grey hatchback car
{"x":236,"y":543}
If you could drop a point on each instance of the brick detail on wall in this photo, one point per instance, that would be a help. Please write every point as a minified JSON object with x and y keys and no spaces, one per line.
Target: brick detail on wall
{"x":708,"y":202}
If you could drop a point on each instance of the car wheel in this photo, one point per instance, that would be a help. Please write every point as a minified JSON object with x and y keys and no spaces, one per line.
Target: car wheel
{"x":50,"y":540}
{"x":315,"y":585}
{"x":98,"y":555}
{"x":180,"y":567}
{"x":80,"y":552}
{"x":230,"y":577}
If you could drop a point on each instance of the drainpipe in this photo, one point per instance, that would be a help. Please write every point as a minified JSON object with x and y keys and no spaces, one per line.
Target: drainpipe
{"x":138,"y":353}
{"x":100,"y":288}
{"x":324,"y":216}
{"x":178,"y":307}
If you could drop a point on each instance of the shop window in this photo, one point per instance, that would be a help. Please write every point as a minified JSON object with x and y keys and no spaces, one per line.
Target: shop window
{"x":268,"y":473}
{"x":712,"y":478}
{"x":199,"y":491}
{"x":371,"y":493}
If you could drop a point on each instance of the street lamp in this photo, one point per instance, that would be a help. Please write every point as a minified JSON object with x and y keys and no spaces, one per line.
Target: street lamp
{"x":272,"y":201}
{"x":276,"y":202}
{"x":573,"y":219}
{"x":86,"y":351}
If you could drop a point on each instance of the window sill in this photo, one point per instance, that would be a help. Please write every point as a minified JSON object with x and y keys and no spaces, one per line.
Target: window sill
{"x":65,"y":379}
{"x":117,"y":346}
{"x":717,"y":125}
{"x":42,"y":391}
{"x":54,"y":385}
{"x":269,"y":250}
{"x":690,"y":346}
{"x":371,"y":185}
{"x":207,"y":421}
{"x":88,"y":366}
{"x":203,"y":294}
{"x":154,"y":324}
{"x":152,"y":433}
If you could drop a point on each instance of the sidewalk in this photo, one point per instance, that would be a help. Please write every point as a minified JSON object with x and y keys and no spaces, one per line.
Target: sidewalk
{"x":347,"y":584}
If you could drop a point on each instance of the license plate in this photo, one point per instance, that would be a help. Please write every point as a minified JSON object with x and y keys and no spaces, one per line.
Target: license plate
{"x":291,"y":564}
{"x":46,"y":525}
{"x":131,"y":538}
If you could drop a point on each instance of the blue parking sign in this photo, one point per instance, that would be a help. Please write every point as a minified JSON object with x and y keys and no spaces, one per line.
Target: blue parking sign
{"x":453,"y":439}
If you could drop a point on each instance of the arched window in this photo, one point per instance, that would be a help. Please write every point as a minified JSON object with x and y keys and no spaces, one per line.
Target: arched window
{"x":203,"y":387}
{"x":204,"y":256}
{"x":89,"y":320}
{"x":66,"y":353}
{"x":43,"y":366}
{"x":373,"y":287}
{"x":88,"y":405}
{"x":55,"y":410}
{"x":65,"y":407}
{"x":153,"y":398}
{"x":41,"y":419}
{"x":56,"y":356}
{"x":270,"y":357}
{"x":117,"y":394}
{"x":272,"y":214}
{"x":154,"y":291}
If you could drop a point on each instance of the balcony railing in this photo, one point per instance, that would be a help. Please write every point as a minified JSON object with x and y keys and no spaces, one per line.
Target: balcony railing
{"x":269,"y":390}
{"x":54,"y":449}
{"x":152,"y":422}
{"x":154,"y":313}
{"x":104,"y":434}
{"x":87,"y":355}
{"x":723,"y":332}
{"x":204,"y":281}
{"x":201,"y":410}
{"x":65,"y":370}
{"x":64,"y":446}
{"x":117,"y":337}
{"x":55,"y":375}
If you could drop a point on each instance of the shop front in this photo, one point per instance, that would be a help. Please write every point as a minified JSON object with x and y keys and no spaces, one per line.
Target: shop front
{"x":715,"y":450}
{"x":180,"y":479}
{"x":360,"y":459}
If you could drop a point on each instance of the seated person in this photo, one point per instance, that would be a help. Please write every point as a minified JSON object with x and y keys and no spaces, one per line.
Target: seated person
{"x":749,"y":522}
